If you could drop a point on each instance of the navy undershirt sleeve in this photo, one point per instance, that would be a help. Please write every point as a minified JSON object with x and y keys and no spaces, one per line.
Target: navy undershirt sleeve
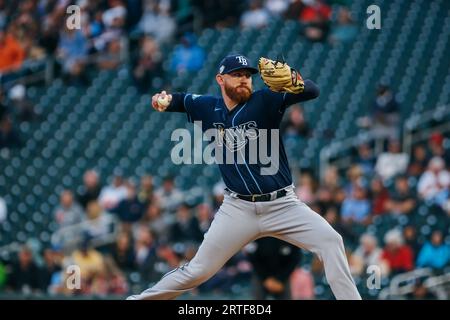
{"x":177,"y":103}
{"x":311,"y":91}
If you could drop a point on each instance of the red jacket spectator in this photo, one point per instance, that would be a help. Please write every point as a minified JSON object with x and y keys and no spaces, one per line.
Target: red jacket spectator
{"x":398,"y":256}
{"x":317,"y":11}
{"x":11,"y":53}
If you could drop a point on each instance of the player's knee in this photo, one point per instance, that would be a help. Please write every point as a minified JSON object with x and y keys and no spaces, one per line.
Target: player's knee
{"x":331,"y":238}
{"x":200,"y":274}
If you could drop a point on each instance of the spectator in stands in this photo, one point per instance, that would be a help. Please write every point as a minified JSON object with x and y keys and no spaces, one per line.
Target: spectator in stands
{"x":68,"y":212}
{"x":91,"y":188}
{"x":148,"y":63}
{"x":52,"y":266}
{"x":345,"y":29}
{"x":28,"y":40}
{"x":99,"y":223}
{"x":277,"y":8}
{"x":434,"y":254}
{"x":324,"y":199}
{"x":12,"y":54}
{"x":392,"y":162}
{"x":421,"y":292}
{"x":385,"y":113}
{"x":145,"y":194}
{"x":113,"y":18}
{"x":123,"y":253}
{"x":331,"y":179}
{"x":434,"y":184}
{"x":410,"y":236}
{"x":93,"y":26}
{"x":24,"y":107}
{"x":302,"y":284}
{"x":295,"y":125}
{"x":186,"y":227}
{"x":365,"y":159}
{"x":72,"y":54}
{"x":89,"y":260}
{"x":273,"y":262}
{"x":204,"y":217}
{"x":315,"y":17}
{"x":49,"y":38}
{"x":9,"y":137}
{"x":294,"y":9}
{"x":355,"y":178}
{"x":156,"y":22}
{"x":218,"y":195}
{"x":379,"y":196}
{"x":367,"y":254}
{"x":306,"y":188}
{"x":402,"y":200}
{"x":356,"y":209}
{"x":418,"y":162}
{"x":187,"y":56}
{"x":158,"y":223}
{"x":111,"y":195}
{"x":24,"y":274}
{"x":398,"y":256}
{"x":168,"y":196}
{"x":111,"y":58}
{"x":109,"y":282}
{"x":436,"y":145}
{"x":170,"y":255}
{"x":130,"y":209}
{"x":256,"y":16}
{"x":145,"y":250}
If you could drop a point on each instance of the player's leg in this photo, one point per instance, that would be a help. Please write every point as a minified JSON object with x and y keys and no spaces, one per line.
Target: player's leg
{"x":234,"y":225}
{"x":291,"y":220}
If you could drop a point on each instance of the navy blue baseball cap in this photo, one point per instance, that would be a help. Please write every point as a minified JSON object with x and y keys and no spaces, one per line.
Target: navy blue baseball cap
{"x":235,"y":62}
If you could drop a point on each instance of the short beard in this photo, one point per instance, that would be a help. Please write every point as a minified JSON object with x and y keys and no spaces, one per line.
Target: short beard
{"x":239,"y":97}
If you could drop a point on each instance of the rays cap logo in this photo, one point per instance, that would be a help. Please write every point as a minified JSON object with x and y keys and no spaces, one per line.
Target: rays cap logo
{"x":235,"y":62}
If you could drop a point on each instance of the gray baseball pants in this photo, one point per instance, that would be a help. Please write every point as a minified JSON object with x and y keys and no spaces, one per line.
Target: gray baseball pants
{"x":239,"y":222}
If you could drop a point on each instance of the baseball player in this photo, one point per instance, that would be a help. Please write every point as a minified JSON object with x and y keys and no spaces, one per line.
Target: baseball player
{"x":256,"y":205}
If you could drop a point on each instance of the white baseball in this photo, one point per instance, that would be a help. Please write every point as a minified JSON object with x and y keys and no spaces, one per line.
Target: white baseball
{"x":163,"y":100}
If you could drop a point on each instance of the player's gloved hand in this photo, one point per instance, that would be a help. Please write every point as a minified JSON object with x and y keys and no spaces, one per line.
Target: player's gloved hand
{"x":279,"y":76}
{"x":161,"y":101}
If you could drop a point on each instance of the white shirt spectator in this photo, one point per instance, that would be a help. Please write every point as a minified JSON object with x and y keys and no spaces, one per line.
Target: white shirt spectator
{"x":169,"y":201}
{"x":110,"y":196}
{"x":390,"y":164}
{"x":111,"y":14}
{"x":160,"y":26}
{"x":256,"y":17}
{"x":277,"y":7}
{"x":433,"y":180}
{"x":100,"y":226}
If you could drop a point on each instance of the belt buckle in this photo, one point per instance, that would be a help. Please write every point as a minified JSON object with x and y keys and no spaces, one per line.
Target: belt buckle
{"x":253,"y":197}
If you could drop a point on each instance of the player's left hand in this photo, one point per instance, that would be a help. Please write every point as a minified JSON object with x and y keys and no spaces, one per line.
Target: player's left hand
{"x":279,"y":76}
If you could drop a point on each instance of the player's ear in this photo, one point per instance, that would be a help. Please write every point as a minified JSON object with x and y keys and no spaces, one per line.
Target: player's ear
{"x":219,"y":79}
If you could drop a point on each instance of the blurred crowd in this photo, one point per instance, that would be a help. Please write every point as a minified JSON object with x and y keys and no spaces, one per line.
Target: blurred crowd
{"x":125,"y":234}
{"x":109,"y":30}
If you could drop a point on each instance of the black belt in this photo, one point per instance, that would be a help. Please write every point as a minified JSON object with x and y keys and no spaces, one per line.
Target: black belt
{"x":259,"y":197}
